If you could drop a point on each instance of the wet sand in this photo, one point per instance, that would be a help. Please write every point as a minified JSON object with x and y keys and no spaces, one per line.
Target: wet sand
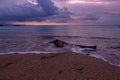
{"x":64,"y":66}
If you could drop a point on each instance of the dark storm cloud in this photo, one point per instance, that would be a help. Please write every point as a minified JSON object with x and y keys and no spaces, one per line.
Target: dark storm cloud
{"x":28,"y":11}
{"x":48,"y":6}
{"x":63,"y":16}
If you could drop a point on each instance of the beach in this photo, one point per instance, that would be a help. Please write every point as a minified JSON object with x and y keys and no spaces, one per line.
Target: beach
{"x":60,"y":66}
{"x":59,"y":40}
{"x":26,"y":55}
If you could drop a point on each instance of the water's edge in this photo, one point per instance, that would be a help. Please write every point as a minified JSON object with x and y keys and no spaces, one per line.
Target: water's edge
{"x":42,"y":52}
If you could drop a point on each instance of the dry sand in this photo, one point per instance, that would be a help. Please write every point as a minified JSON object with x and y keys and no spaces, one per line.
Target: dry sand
{"x":65,"y":66}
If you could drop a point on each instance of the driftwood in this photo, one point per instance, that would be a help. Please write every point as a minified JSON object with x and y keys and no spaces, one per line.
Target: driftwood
{"x":94,"y":47}
{"x":60,"y":44}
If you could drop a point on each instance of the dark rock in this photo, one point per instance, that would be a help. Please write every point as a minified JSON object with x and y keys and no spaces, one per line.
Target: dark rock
{"x":58,"y":43}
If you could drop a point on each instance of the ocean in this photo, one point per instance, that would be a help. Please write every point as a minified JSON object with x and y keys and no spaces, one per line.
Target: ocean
{"x":30,"y":39}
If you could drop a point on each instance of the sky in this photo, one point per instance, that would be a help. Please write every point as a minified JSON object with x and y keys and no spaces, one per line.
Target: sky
{"x":58,"y":12}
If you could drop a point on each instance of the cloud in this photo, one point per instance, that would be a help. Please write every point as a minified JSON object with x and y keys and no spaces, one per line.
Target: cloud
{"x":60,"y":10}
{"x":90,"y":17}
{"x":9,"y":3}
{"x":26,"y":11}
{"x":48,"y":6}
{"x":43,"y":10}
{"x":114,"y":14}
{"x":63,"y":16}
{"x":90,"y":0}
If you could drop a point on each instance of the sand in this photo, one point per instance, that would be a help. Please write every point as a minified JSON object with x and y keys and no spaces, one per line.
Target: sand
{"x":64,"y":66}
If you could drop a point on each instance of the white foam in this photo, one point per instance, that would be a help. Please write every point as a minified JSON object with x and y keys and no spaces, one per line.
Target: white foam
{"x":115,"y":64}
{"x":102,"y":58}
{"x":98,"y":56}
{"x":77,"y":50}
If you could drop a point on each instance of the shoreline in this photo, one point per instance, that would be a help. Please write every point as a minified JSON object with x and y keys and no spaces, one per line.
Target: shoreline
{"x":55,"y":66}
{"x":97,"y":56}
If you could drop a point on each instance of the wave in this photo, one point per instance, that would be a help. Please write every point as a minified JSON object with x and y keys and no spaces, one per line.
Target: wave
{"x":46,"y":48}
{"x":104,"y":59}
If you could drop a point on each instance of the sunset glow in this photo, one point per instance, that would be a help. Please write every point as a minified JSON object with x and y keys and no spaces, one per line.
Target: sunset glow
{"x":34,"y":23}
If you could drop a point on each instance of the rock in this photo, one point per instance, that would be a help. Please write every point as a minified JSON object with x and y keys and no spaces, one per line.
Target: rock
{"x":58,"y":43}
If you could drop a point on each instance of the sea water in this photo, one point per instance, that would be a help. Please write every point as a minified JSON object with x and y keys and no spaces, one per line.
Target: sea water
{"x":31,"y":39}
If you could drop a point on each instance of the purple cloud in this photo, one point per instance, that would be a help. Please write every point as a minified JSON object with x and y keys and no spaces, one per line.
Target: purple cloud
{"x":44,"y":10}
{"x":90,"y":17}
{"x":98,"y":11}
{"x":28,"y":11}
